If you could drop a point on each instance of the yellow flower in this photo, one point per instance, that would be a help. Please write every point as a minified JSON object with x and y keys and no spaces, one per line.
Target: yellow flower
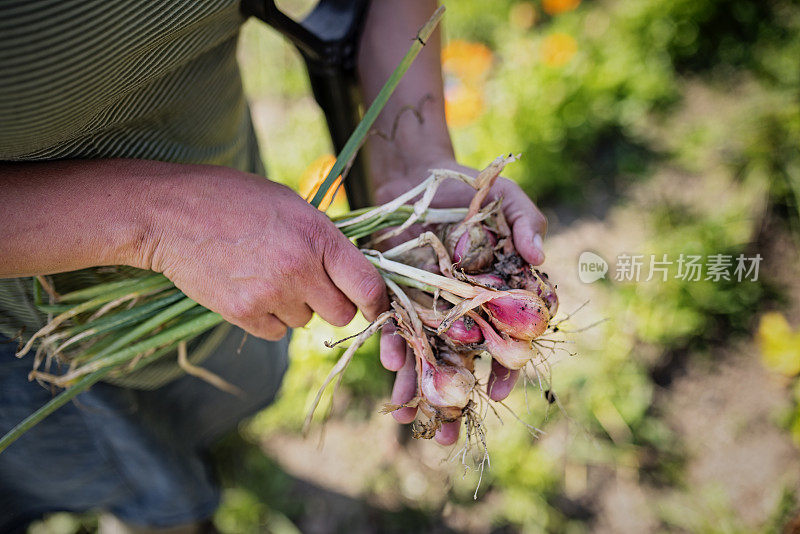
{"x":558,"y":49}
{"x":313,"y":177}
{"x":779,"y":344}
{"x":554,"y":7}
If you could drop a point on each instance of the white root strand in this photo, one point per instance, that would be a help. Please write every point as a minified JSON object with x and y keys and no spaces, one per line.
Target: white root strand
{"x":344,"y":360}
{"x":392,"y":206}
{"x":416,"y":322}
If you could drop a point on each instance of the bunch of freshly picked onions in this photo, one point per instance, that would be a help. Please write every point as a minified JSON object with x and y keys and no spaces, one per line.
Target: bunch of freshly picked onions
{"x":459,"y":290}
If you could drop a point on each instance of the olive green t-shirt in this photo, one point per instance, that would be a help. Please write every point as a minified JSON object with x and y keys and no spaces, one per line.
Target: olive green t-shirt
{"x":89,"y":79}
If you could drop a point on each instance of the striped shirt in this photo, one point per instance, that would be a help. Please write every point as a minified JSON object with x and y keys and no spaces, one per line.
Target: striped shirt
{"x":148,"y":79}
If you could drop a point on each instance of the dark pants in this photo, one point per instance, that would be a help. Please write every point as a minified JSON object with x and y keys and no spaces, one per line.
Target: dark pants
{"x":137,"y":454}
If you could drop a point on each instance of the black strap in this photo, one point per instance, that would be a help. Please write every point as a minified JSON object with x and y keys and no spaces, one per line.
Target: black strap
{"x":328,"y":41}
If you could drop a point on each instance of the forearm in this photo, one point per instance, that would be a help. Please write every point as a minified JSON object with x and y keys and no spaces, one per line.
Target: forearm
{"x":408,"y":143}
{"x":68,"y":215}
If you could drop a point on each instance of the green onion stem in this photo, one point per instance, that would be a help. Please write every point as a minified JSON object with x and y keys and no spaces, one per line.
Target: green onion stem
{"x":54,"y":308}
{"x":410,"y":282}
{"x":124,"y":317}
{"x":456,"y":287}
{"x":358,"y":135}
{"x":180,"y":332}
{"x":196,"y":326}
{"x":116,"y":321}
{"x":37,"y":292}
{"x":145,"y":285}
{"x":149,"y":325}
{"x":102,"y":289}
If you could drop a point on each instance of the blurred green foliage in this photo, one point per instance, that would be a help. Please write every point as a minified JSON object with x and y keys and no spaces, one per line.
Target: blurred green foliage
{"x":589,"y":97}
{"x":576,"y":123}
{"x":582,"y":122}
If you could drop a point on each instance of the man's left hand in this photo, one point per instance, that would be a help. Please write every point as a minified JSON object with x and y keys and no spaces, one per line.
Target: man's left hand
{"x":528,"y":227}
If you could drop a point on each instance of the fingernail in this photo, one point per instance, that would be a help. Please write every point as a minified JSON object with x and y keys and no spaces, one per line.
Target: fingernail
{"x":537,"y":242}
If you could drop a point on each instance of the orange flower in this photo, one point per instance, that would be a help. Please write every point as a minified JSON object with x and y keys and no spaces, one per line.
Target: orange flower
{"x":462,"y":104}
{"x":469,"y":61}
{"x":313,"y":177}
{"x":554,"y":7}
{"x":465,"y":67}
{"x":558,"y":49}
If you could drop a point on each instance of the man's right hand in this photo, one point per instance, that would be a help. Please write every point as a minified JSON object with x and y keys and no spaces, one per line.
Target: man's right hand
{"x":257,"y":253}
{"x":238,"y":244}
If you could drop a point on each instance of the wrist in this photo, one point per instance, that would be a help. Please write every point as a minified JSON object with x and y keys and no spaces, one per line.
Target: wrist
{"x":70,"y":215}
{"x":405,"y":157}
{"x":155,"y":212}
{"x":398,"y":180}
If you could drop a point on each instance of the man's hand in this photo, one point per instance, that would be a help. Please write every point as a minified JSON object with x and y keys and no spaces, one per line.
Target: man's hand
{"x":243,"y":246}
{"x":258,"y":254}
{"x":528,"y":226}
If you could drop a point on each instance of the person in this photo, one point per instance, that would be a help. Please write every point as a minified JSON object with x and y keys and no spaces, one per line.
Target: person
{"x":126,"y":141}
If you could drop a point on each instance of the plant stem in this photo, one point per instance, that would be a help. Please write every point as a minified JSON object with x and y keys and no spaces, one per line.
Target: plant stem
{"x":101,"y":289}
{"x":54,"y":308}
{"x":145,"y":285}
{"x":357,"y":137}
{"x":118,"y":320}
{"x":410,"y":282}
{"x":54,"y":404}
{"x":147,"y":326}
{"x":124,"y":317}
{"x":196,"y":326}
{"x":177,"y":333}
{"x":461,"y":289}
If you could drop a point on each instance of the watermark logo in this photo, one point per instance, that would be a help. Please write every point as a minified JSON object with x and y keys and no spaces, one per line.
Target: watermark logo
{"x":686,"y":267}
{"x":591,"y":267}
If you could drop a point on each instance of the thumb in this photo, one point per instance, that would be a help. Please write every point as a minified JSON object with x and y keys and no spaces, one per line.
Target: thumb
{"x":527,"y":223}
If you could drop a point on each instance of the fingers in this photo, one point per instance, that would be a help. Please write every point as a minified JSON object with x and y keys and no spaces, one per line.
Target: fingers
{"x":266,"y":326}
{"x":528,"y":242}
{"x":501,"y":381}
{"x":355,"y":277}
{"x":331,"y":304}
{"x":296,"y":316}
{"x":527,"y":223}
{"x":448,"y":433}
{"x":405,"y":387}
{"x":393,"y":349}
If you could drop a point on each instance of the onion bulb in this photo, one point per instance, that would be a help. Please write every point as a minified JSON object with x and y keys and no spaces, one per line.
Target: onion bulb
{"x":472,"y":248}
{"x":510,"y":353}
{"x":538,"y":282}
{"x":522,"y":315}
{"x":462,"y":332}
{"x":444,"y":385}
